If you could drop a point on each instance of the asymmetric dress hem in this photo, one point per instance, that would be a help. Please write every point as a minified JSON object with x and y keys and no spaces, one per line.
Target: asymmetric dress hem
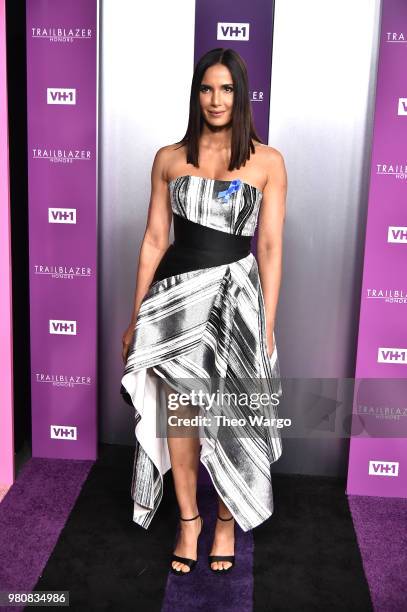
{"x":205,"y":324}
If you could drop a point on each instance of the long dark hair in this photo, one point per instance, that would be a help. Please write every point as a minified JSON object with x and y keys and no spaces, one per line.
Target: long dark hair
{"x":243,"y":130}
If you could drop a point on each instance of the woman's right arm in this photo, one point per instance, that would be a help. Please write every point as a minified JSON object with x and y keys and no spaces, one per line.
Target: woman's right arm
{"x":155,"y":240}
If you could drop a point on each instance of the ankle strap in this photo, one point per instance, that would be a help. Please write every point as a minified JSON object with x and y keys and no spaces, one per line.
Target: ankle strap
{"x":191,"y":519}
{"x":225,"y":519}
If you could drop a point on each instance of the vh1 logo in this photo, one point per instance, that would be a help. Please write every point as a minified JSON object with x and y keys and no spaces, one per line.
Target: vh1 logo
{"x":383,"y":468}
{"x":61,"y":215}
{"x":60,"y":95}
{"x":396,"y":234}
{"x":65,"y":328}
{"x":233,"y":31}
{"x":63,"y":432}
{"x":392,"y":355}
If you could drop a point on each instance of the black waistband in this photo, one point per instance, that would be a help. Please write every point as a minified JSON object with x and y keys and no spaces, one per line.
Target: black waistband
{"x":196,"y":247}
{"x":197,"y":236}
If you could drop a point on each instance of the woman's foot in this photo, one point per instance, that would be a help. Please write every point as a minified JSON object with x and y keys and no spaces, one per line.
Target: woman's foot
{"x":187,"y":544}
{"x":223,"y":542}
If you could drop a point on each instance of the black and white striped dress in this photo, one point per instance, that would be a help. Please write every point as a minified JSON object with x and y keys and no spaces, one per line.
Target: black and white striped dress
{"x":201,"y":326}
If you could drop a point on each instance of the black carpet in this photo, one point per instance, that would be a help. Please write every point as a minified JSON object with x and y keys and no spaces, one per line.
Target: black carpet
{"x":306,"y":555}
{"x":102,"y":557}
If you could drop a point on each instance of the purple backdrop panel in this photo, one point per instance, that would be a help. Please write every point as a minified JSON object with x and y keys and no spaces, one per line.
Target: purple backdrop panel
{"x":246,"y":27}
{"x":62,"y":170}
{"x":378,"y":449}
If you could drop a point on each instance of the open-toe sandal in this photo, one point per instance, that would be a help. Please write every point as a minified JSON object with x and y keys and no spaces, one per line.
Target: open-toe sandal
{"x":229,"y":558}
{"x":191,"y":563}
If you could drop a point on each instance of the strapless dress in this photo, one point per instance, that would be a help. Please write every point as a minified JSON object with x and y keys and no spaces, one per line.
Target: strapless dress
{"x":202,"y":326}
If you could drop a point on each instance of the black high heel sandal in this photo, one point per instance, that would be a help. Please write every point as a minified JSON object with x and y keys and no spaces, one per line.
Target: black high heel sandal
{"x":190,"y":562}
{"x":229,"y":558}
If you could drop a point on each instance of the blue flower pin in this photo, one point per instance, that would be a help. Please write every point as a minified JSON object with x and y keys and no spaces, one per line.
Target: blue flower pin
{"x":225,"y":195}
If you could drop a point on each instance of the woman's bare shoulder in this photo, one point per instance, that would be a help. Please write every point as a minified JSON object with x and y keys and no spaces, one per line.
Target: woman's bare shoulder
{"x":169,"y":155}
{"x":268,"y":153}
{"x":171,"y":150}
{"x":271,"y":163}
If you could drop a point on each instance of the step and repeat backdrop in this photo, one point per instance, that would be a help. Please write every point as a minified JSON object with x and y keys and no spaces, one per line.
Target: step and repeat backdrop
{"x":62,"y":109}
{"x":62,"y":102}
{"x":378,"y":448}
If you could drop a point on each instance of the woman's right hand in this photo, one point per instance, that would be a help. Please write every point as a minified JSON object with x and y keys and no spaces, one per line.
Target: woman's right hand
{"x":126,"y":340}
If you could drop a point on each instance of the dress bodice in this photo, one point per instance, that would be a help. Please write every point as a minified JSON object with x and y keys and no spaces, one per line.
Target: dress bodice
{"x":227,"y":206}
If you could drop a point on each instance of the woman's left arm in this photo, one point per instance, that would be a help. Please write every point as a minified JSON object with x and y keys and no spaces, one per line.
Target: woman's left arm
{"x":270,"y":238}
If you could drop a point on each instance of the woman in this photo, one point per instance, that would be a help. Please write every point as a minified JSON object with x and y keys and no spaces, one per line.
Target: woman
{"x":201,"y":313}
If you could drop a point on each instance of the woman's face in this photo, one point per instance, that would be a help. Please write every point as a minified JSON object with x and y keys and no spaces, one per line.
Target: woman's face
{"x":216,"y":95}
